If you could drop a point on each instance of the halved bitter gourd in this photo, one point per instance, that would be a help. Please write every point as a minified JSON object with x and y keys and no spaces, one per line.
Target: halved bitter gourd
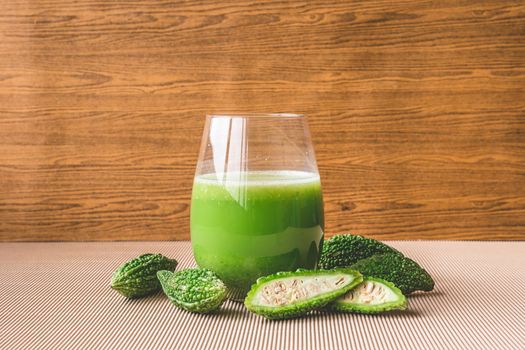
{"x":292,"y":294}
{"x":373,"y":295}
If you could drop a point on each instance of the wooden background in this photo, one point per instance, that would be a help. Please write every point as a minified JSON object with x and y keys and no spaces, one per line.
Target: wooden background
{"x":417,"y":110}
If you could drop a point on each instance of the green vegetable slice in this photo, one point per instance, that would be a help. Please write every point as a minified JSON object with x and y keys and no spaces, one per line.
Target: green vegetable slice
{"x":194,"y":290}
{"x":291,"y":294}
{"x":373,"y":295}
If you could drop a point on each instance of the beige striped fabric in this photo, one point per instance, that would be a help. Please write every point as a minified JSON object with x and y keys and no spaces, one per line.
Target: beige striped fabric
{"x":57,"y":296}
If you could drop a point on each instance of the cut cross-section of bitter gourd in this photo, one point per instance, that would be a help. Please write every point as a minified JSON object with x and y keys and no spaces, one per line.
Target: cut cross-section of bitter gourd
{"x":373,"y":295}
{"x":195,"y":290}
{"x":292,"y":294}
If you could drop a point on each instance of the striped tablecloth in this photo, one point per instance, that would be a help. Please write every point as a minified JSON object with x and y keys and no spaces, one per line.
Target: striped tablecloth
{"x":56,"y":296}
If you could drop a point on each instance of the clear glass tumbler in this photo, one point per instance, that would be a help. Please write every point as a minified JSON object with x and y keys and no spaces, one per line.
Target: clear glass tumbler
{"x":256,"y":206}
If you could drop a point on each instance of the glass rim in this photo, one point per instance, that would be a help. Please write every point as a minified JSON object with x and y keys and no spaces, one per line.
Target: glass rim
{"x":254,"y":115}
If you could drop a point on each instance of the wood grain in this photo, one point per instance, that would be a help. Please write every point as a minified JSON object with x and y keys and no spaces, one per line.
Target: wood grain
{"x":417,"y":110}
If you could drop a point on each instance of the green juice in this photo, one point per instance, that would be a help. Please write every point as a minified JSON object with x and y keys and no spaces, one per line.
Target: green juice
{"x":253,"y":224}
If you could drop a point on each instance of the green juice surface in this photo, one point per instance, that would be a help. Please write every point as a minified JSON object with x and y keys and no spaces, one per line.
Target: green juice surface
{"x":256,"y":223}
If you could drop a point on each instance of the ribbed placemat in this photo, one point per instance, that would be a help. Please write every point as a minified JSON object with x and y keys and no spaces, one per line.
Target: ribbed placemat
{"x":56,"y":296}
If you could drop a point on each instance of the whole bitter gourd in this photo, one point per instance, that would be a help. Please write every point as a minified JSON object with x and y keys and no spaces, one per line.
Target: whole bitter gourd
{"x":373,"y":295}
{"x":291,"y":294}
{"x":195,"y":290}
{"x":405,"y":273}
{"x":138,"y":277}
{"x":346,"y":249}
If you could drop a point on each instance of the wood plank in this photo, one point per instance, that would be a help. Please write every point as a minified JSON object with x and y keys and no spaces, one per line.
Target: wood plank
{"x":417,"y":111}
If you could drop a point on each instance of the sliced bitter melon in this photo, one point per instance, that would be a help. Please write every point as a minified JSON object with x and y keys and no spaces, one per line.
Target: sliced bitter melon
{"x":292,"y":294}
{"x":373,"y":295}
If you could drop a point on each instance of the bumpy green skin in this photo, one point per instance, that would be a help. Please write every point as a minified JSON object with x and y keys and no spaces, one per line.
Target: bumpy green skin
{"x":299,"y":308}
{"x":405,"y":273}
{"x":194,"y":290}
{"x":399,"y":304}
{"x":345,"y":250}
{"x":138,"y":277}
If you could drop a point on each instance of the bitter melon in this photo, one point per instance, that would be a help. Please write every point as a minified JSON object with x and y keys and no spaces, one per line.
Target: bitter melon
{"x":405,"y":273}
{"x":195,"y":290}
{"x":138,"y":277}
{"x":346,"y":249}
{"x":373,"y":295}
{"x":292,"y":294}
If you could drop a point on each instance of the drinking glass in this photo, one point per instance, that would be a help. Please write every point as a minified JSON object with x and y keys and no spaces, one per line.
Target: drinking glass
{"x":256,"y":206}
